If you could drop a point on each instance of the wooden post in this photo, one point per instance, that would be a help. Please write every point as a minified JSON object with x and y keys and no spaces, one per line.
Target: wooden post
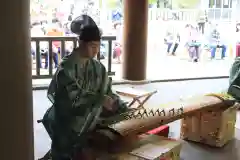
{"x":16,"y":114}
{"x":135,"y":39}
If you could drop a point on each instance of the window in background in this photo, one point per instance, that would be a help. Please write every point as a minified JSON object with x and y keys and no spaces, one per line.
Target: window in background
{"x":220,"y":3}
{"x":211,"y":3}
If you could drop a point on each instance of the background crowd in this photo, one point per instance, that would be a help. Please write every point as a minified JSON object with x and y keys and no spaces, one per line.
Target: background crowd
{"x":196,"y":38}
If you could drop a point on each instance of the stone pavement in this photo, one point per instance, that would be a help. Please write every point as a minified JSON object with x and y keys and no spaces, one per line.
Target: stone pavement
{"x":161,"y":67}
{"x":168,"y":91}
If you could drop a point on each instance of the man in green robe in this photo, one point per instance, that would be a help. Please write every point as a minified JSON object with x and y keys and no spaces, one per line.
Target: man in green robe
{"x":81,"y":93}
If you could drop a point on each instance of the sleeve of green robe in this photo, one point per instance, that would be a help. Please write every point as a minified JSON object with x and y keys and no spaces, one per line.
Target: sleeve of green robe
{"x":66,"y":95}
{"x":63,"y":102}
{"x":119,"y":106}
{"x":234,"y":79}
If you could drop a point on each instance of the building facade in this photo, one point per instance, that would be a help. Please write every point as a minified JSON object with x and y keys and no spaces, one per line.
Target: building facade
{"x":221,"y":9}
{"x":220,"y":3}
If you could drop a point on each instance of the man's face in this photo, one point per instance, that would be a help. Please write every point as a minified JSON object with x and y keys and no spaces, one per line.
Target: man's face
{"x":93,"y":48}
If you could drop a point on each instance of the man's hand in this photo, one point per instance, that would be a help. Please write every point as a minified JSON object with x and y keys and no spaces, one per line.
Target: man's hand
{"x":108,"y":103}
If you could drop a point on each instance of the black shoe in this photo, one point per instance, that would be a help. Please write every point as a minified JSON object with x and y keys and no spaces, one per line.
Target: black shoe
{"x":195,"y":60}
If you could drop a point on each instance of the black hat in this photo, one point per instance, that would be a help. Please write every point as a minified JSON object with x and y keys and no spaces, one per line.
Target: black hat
{"x":90,"y":33}
{"x":80,"y":22}
{"x":85,"y":27}
{"x":83,"y":23}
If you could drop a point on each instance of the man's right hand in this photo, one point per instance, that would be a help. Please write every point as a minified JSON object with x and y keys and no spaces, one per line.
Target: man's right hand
{"x":108,"y":103}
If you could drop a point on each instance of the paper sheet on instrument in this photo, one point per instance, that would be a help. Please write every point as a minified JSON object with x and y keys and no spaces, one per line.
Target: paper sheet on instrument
{"x":149,"y":151}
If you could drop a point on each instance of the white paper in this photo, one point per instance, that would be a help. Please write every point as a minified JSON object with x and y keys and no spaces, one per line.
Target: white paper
{"x":149,"y":151}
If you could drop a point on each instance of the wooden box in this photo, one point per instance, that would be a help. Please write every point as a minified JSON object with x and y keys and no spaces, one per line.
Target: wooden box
{"x":214,"y":128}
{"x":148,"y":147}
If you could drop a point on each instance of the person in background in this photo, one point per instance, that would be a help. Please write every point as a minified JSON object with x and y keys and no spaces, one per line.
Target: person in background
{"x":172,"y":40}
{"x":33,"y":54}
{"x":117,"y":51}
{"x":237,"y":39}
{"x":70,"y":17}
{"x":175,"y":16}
{"x":56,"y":45}
{"x":169,"y":38}
{"x":66,"y":28}
{"x":176,"y":44}
{"x":201,"y":20}
{"x":238,"y":33}
{"x":193,"y":43}
{"x":216,"y":41}
{"x":36,"y":31}
{"x":54,"y":16}
{"x":41,"y":24}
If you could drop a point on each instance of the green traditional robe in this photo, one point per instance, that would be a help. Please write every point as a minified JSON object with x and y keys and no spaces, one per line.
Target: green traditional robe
{"x":77,"y":92}
{"x":234,"y":79}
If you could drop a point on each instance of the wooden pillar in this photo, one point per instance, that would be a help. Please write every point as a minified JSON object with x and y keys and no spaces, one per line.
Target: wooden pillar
{"x":135,"y":39}
{"x":16,"y":111}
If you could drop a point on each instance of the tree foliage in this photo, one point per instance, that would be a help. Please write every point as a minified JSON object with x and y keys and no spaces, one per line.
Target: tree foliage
{"x":186,"y":3}
{"x":178,"y":3}
{"x":152,"y":1}
{"x":113,"y":3}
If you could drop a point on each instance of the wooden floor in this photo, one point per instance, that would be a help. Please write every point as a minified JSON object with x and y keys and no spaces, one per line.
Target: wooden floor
{"x":166,"y":92}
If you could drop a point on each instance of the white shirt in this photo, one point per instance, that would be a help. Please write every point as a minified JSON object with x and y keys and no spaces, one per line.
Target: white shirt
{"x":237,"y":37}
{"x":119,"y":34}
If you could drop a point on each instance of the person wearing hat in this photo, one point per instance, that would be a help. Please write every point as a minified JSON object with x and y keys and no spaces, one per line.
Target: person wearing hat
{"x":81,"y":95}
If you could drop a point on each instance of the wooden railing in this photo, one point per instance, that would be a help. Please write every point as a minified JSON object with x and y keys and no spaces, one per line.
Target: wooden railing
{"x":42,"y":45}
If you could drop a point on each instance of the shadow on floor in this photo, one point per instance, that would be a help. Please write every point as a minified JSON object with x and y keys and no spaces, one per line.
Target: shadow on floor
{"x":196,"y":151}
